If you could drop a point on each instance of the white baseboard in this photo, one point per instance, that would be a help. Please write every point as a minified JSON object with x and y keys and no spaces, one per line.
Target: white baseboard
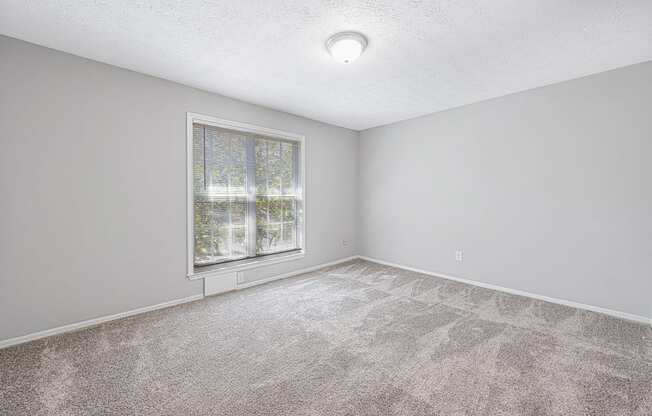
{"x":91,"y":322}
{"x":96,"y":321}
{"x":617,"y":314}
{"x":293,"y":273}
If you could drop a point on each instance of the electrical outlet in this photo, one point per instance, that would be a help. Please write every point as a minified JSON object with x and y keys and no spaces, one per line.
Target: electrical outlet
{"x":459,"y":255}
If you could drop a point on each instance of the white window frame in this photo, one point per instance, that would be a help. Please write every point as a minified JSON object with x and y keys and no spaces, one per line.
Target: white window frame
{"x":249,"y":263}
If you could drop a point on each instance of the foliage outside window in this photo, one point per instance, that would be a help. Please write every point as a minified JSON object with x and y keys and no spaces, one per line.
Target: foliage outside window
{"x":246,"y":195}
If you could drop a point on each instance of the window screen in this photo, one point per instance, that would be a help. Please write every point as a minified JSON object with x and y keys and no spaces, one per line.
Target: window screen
{"x":245,"y":195}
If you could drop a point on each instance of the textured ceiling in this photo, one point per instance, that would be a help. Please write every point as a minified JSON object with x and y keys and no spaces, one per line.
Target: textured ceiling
{"x":423,"y":56}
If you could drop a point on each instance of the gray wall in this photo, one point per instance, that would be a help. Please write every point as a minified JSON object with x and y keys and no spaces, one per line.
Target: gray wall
{"x":547,"y":191}
{"x":92,"y":185}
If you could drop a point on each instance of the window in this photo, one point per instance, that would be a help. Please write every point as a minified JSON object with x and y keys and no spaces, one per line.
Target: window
{"x":246,"y":198}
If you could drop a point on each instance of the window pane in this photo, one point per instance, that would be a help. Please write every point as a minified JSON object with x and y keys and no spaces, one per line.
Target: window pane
{"x":275,"y":195}
{"x":267,"y":237}
{"x":215,"y":147}
{"x":275,"y":167}
{"x":261,"y":167}
{"x":275,"y":224}
{"x":275,"y":210}
{"x":220,"y":201}
{"x":224,"y":153}
{"x":220,"y":230}
{"x":224,"y":163}
{"x":237,"y":171}
{"x":198,"y":158}
{"x":289,"y":235}
{"x":287,"y":169}
{"x":289,"y":209}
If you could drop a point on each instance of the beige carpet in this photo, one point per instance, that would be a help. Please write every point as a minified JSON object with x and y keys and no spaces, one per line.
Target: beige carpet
{"x":353,"y":339}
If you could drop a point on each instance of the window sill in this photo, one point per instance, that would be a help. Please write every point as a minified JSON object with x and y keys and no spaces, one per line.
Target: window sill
{"x":246,"y":264}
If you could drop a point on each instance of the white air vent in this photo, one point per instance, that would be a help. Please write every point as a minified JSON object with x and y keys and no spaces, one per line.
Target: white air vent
{"x":220,"y":283}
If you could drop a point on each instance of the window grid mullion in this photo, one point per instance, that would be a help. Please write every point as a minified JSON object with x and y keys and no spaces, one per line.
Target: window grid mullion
{"x":251,"y":196}
{"x":281,"y":200}
{"x":298,"y":239}
{"x":269,"y":202}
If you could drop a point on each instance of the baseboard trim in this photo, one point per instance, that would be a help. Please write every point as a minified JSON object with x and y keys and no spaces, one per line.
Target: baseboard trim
{"x":605,"y":311}
{"x":240,"y":286}
{"x":95,"y":321}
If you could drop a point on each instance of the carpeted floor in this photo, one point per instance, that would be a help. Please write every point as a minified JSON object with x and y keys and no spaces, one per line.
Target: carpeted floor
{"x":354,"y":339}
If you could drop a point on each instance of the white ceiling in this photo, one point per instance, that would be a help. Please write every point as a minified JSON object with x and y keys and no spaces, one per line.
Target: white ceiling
{"x":423,"y":56}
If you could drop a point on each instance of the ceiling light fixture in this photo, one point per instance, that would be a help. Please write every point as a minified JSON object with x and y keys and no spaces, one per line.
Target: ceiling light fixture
{"x":345,"y":47}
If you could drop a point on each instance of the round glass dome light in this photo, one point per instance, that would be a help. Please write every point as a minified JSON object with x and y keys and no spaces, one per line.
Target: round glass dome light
{"x":345,"y":47}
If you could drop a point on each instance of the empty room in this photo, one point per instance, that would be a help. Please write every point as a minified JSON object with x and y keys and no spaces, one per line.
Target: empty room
{"x":326,"y":207}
